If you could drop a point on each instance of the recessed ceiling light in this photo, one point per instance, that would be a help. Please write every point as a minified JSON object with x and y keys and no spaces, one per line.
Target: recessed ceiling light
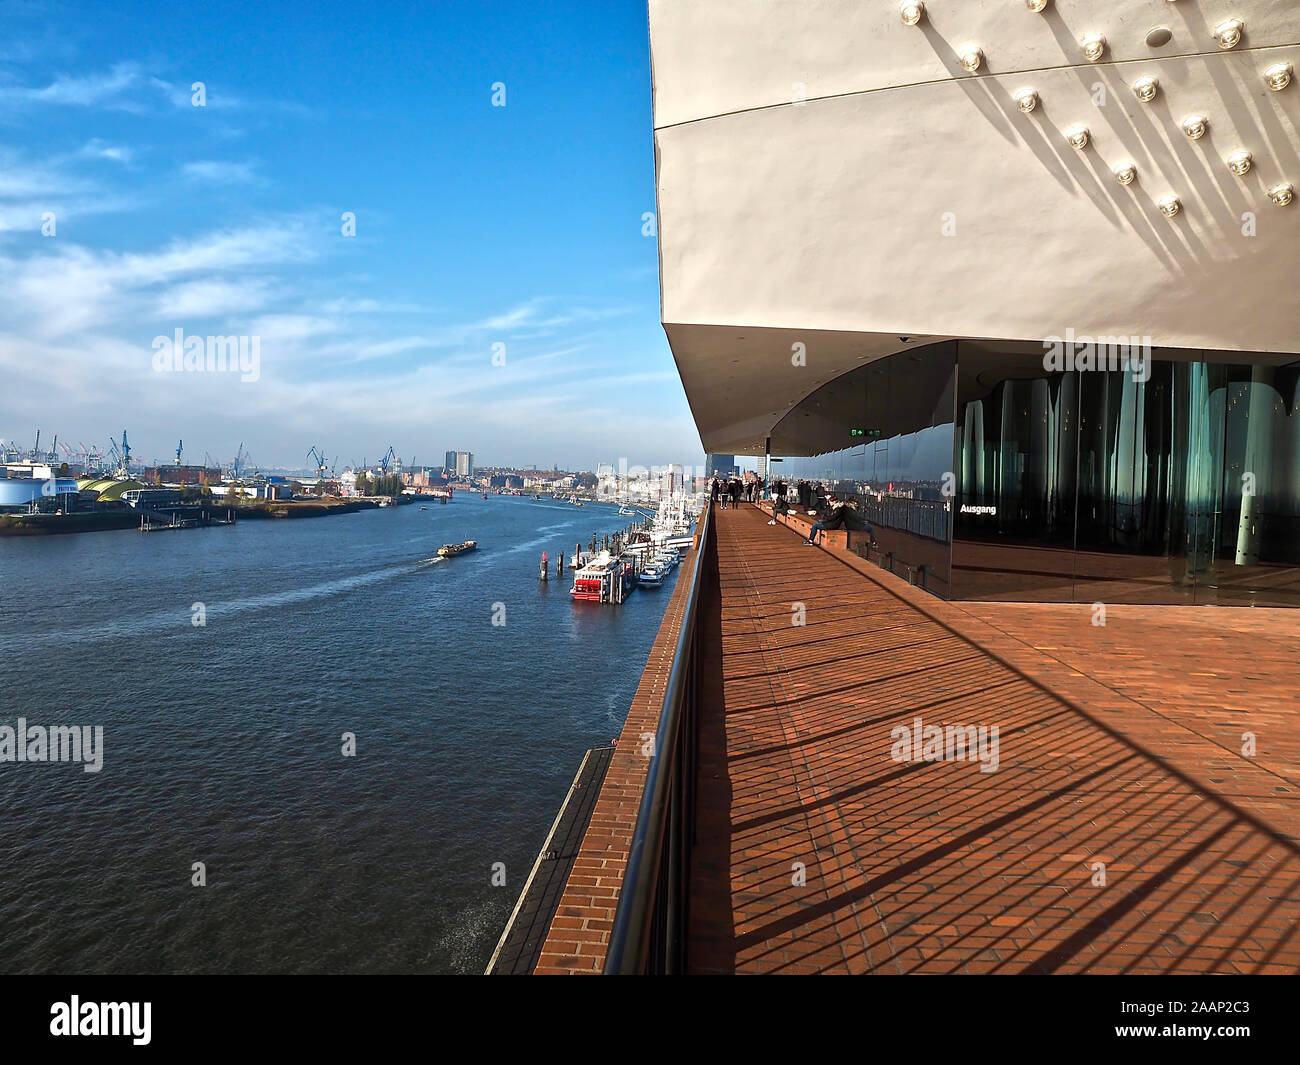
{"x":1282,"y":195}
{"x":1036,"y":6}
{"x":1170,"y":206}
{"x":1078,"y":136}
{"x":972,"y":59}
{"x":1159,"y":36}
{"x":1027,"y":100}
{"x":1126,"y":173}
{"x":1195,"y":126}
{"x":1240,"y":163}
{"x":911,"y":12}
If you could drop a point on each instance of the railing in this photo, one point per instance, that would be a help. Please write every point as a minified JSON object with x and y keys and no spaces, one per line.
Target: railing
{"x":649,"y":933}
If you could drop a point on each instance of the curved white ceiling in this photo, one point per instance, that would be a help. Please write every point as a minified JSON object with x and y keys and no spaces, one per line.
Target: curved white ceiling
{"x":906,"y":197}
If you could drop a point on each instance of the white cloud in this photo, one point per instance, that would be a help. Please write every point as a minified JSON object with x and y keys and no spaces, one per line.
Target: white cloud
{"x":221,"y":172}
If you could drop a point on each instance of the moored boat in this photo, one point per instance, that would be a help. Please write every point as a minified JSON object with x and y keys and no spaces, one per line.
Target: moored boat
{"x":606,"y":578}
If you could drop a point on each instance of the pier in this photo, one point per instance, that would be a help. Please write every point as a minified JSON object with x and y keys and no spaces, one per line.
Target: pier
{"x":779,"y":829}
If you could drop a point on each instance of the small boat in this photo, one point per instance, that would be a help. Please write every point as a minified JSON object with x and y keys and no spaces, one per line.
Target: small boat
{"x":424,"y":508}
{"x":452,"y":550}
{"x":652,"y":576}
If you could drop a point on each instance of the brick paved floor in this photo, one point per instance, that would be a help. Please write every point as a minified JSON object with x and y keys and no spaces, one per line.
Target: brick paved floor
{"x":1120,"y":753}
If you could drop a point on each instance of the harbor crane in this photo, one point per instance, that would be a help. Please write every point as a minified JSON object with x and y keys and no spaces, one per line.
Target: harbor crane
{"x":180,"y":446}
{"x":321,"y":467}
{"x":241,"y":462}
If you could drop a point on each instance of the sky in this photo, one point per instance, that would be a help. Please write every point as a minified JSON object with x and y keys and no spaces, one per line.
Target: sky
{"x":499,"y":293}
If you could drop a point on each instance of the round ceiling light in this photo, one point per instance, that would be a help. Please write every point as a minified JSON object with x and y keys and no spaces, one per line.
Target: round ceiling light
{"x":1278,"y":76}
{"x":1094,"y":47}
{"x":1146,"y":89}
{"x":1228,"y":34}
{"x":911,"y":11}
{"x":1240,"y":163}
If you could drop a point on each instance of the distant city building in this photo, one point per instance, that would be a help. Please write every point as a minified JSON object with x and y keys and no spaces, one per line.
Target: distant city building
{"x":460,"y":464}
{"x":719,"y":465}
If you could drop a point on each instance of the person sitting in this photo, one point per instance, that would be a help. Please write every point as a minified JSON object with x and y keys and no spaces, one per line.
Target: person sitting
{"x":839,"y":514}
{"x":779,"y":507}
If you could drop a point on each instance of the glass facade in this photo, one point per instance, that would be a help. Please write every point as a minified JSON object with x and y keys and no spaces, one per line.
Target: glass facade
{"x":1174,"y":480}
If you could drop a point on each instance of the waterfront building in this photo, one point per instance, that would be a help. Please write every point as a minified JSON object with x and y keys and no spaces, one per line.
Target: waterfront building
{"x":1022,"y":282}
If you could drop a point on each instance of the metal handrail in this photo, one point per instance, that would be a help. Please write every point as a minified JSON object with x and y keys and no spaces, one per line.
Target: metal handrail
{"x":647,"y":933}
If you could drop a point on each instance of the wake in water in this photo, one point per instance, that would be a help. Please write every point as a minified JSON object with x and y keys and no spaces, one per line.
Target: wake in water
{"x":166,"y":620}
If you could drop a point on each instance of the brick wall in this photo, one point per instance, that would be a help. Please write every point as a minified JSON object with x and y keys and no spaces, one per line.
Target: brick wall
{"x":579,"y":933}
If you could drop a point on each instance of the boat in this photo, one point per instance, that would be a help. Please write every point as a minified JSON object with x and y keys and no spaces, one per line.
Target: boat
{"x":652,"y":576}
{"x":424,"y":508}
{"x":606,"y":578}
{"x":452,"y":550}
{"x":485,"y":495}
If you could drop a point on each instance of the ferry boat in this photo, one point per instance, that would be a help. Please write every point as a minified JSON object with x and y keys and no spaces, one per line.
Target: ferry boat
{"x":452,"y":550}
{"x":607,"y":578}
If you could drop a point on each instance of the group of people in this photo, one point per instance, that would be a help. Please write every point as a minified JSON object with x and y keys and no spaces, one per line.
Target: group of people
{"x":733,"y":491}
{"x":832,"y":511}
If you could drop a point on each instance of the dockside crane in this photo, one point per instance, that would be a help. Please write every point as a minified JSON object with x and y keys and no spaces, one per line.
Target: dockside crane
{"x":180,"y":447}
{"x":321,"y":467}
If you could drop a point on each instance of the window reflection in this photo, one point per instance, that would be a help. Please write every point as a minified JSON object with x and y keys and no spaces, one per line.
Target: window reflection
{"x":1181,"y":485}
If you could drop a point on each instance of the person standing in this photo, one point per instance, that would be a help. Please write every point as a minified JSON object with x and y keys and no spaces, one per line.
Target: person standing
{"x":713,"y":490}
{"x":735,"y":491}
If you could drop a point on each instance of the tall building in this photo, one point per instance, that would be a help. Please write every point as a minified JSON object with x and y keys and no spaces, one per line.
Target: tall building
{"x":719,"y":465}
{"x":1024,"y":282}
{"x":460,"y":463}
{"x":449,"y":463}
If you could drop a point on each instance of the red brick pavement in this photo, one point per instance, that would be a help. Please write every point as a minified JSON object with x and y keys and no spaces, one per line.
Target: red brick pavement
{"x":1114,"y":752}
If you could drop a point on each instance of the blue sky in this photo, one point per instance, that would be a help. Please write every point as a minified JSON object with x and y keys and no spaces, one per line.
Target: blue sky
{"x":475,"y":226}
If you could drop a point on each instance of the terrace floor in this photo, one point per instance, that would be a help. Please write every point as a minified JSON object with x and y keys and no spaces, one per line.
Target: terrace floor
{"x":1123,"y":830}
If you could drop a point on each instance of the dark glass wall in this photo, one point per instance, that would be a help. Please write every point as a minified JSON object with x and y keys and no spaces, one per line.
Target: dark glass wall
{"x":1174,"y":483}
{"x":882,"y":434}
